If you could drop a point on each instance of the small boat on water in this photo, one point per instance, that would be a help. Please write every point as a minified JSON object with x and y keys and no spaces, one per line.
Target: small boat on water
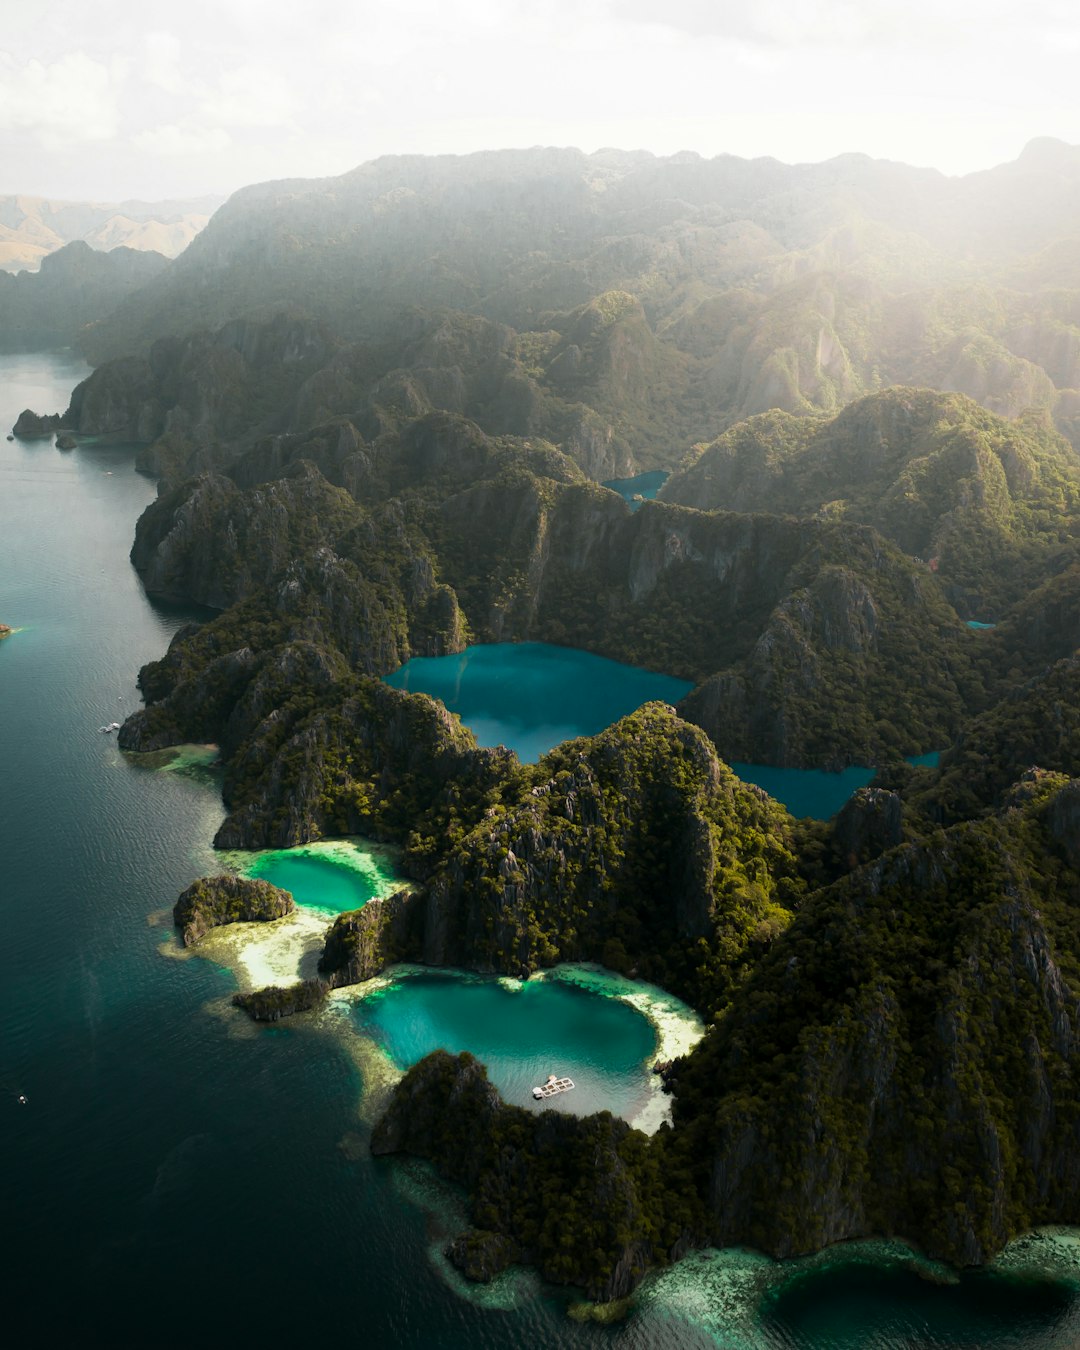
{"x":552,"y":1087}
{"x":113,"y":726}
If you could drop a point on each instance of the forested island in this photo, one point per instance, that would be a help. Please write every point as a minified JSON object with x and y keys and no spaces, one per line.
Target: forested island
{"x":382,"y":409}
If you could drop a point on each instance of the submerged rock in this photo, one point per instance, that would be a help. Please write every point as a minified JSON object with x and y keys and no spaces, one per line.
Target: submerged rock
{"x":213,"y":901}
{"x":481,"y":1256}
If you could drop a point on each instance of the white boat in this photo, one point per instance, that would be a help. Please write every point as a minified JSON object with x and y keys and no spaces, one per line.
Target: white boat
{"x":552,"y":1087}
{"x":113,"y":726}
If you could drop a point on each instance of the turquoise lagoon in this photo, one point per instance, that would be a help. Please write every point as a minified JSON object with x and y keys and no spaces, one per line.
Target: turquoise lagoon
{"x":579,"y":1022}
{"x":161,"y":1128}
{"x":330,"y":876}
{"x":807,"y":792}
{"x":642,"y":487}
{"x":531,"y":696}
{"x":816,"y":792}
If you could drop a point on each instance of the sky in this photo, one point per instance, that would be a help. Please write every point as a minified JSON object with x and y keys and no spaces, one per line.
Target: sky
{"x":116,"y":100}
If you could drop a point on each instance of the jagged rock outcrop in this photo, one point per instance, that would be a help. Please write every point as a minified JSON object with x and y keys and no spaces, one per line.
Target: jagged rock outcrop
{"x":923,"y":1031}
{"x":869,"y":823}
{"x":1036,"y":723}
{"x":979,"y":498}
{"x":213,"y":901}
{"x":76,"y":286}
{"x":31,"y":426}
{"x":364,"y":942}
{"x":209,"y":542}
{"x":560,"y":872}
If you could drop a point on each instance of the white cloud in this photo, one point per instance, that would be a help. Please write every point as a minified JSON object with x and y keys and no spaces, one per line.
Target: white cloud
{"x":72,"y":100}
{"x":250,"y":97}
{"x":183,"y":139}
{"x":160,"y":66}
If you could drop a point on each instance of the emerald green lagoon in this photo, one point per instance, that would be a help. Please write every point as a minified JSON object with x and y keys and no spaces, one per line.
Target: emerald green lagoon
{"x":532,"y":696}
{"x":333,"y":875}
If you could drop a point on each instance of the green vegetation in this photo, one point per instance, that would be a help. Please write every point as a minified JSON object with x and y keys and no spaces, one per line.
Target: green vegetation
{"x":589,"y":1202}
{"x":213,"y":901}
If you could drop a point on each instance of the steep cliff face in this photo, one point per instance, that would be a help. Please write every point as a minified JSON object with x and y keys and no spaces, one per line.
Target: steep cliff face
{"x":366,"y":759}
{"x":364,"y":942}
{"x":623,"y":848}
{"x":903,"y":1059}
{"x":207,"y":541}
{"x":197,"y":398}
{"x":859,"y":631}
{"x":76,"y":286}
{"x":586,"y":1201}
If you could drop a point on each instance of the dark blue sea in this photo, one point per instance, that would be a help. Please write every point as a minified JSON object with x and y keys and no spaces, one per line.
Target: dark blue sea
{"x":178,"y":1177}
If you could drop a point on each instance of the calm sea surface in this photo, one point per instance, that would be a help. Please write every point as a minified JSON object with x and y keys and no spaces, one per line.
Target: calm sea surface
{"x":178,"y":1177}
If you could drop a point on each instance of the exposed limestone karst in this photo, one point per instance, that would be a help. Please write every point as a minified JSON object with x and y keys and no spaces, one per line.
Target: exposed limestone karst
{"x":212,"y":901}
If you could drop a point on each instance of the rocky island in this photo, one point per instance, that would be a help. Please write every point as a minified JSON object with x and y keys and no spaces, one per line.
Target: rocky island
{"x":223,"y":899}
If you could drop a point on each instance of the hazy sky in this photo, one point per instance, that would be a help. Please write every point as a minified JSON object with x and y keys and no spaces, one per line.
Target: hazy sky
{"x":119,"y":99}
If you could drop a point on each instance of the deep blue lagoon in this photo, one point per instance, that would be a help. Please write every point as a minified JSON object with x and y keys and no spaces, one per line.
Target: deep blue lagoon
{"x":531,"y":696}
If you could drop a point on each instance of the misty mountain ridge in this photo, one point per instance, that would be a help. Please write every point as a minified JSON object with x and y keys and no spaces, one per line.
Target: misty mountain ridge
{"x":31,"y":227}
{"x":756,"y":285}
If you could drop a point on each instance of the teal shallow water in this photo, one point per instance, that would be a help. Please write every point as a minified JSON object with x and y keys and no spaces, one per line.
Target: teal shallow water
{"x":806,"y":792}
{"x":531,"y":696}
{"x":522,"y":1031}
{"x":331,"y":876}
{"x":162,"y":1131}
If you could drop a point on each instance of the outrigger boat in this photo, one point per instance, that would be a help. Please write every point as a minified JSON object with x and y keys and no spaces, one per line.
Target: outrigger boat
{"x":552,"y":1087}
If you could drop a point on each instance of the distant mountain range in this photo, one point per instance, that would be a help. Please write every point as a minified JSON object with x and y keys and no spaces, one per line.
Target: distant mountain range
{"x":733,"y":286}
{"x":33,"y":227}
